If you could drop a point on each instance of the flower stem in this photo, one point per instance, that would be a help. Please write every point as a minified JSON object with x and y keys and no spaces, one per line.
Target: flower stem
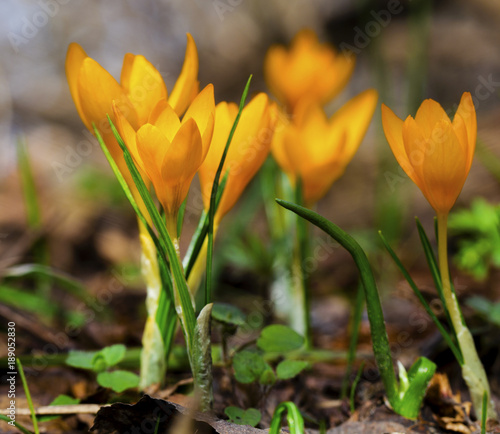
{"x":153,"y":361}
{"x":472,"y":368}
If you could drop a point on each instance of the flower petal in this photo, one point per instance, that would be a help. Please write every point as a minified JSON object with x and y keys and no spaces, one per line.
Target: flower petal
{"x":393,"y":129}
{"x":202,"y":110}
{"x":97,"y":90}
{"x":165,"y":118}
{"x":74,"y":61}
{"x":181,"y":162}
{"x":186,"y":87}
{"x":143,"y":84}
{"x":444,"y":170}
{"x":467,"y":112}
{"x":152,"y":146}
{"x":355,"y":117}
{"x":428,"y":115}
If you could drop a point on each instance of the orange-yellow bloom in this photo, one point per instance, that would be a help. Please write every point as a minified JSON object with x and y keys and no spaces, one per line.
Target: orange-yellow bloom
{"x":308,"y":69}
{"x":170,"y":151}
{"x":141,"y":87}
{"x":435,"y":152}
{"x":318,"y":149}
{"x":248,"y":149}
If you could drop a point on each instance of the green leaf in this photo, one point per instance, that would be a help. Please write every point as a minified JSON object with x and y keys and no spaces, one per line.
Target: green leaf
{"x":239,"y":416}
{"x":280,"y":339}
{"x":113,"y":354}
{"x":248,"y":366}
{"x":81,"y":359}
{"x":118,"y":381}
{"x":213,"y":198}
{"x":381,"y":349}
{"x":59,"y":400}
{"x":293,"y":417}
{"x":28,"y":396}
{"x":290,"y":368}
{"x":99,"y":363}
{"x":268,"y":377}
{"x":228,"y":314}
{"x":202,"y":358}
{"x":447,"y":337}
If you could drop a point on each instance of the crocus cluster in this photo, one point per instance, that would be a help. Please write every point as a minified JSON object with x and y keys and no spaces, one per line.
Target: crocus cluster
{"x":171,"y":136}
{"x":309,"y":145}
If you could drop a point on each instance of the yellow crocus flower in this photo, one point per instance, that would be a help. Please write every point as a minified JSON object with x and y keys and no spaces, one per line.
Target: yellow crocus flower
{"x":435,"y":152}
{"x":170,"y":151}
{"x":308,"y":69}
{"x":141,"y":87}
{"x":318,"y":149}
{"x":247,"y":152}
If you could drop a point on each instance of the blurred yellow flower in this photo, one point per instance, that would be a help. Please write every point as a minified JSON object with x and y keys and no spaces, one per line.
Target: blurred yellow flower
{"x":435,"y":152}
{"x":141,"y":87}
{"x":248,"y":149}
{"x":318,"y":149}
{"x":308,"y":70}
{"x":170,"y":151}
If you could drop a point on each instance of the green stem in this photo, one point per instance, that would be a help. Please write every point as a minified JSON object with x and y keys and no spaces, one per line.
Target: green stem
{"x":472,"y":368}
{"x":153,"y":362}
{"x":301,"y":280}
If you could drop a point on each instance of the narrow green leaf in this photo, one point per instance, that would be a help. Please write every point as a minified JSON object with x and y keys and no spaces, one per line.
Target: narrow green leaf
{"x":163,"y":243}
{"x":436,"y":276}
{"x":355,"y":383}
{"x":355,"y":324}
{"x":381,"y":347}
{"x":484,"y":413}
{"x":280,"y":339}
{"x":201,"y":232}
{"x":16,"y":424}
{"x":213,"y":197}
{"x":28,"y":396}
{"x":180,"y":217}
{"x":446,"y":336}
{"x":118,"y":381}
{"x":65,"y":281}
{"x":293,"y":417}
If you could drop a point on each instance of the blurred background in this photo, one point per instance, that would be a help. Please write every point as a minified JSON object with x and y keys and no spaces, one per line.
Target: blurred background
{"x":408,"y":50}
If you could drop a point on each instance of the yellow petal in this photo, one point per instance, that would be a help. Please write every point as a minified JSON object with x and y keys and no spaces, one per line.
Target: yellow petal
{"x":74,"y":61}
{"x":97,"y":90}
{"x":152,"y":146}
{"x":248,"y":149}
{"x":279,"y":147}
{"x":202,"y":110}
{"x":428,"y":115}
{"x":467,"y":112}
{"x":444,"y":170}
{"x":393,"y":129}
{"x":143,"y":85}
{"x":187,"y":85}
{"x":165,"y":118}
{"x":128,"y":134}
{"x":181,"y":162}
{"x":355,"y":117}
